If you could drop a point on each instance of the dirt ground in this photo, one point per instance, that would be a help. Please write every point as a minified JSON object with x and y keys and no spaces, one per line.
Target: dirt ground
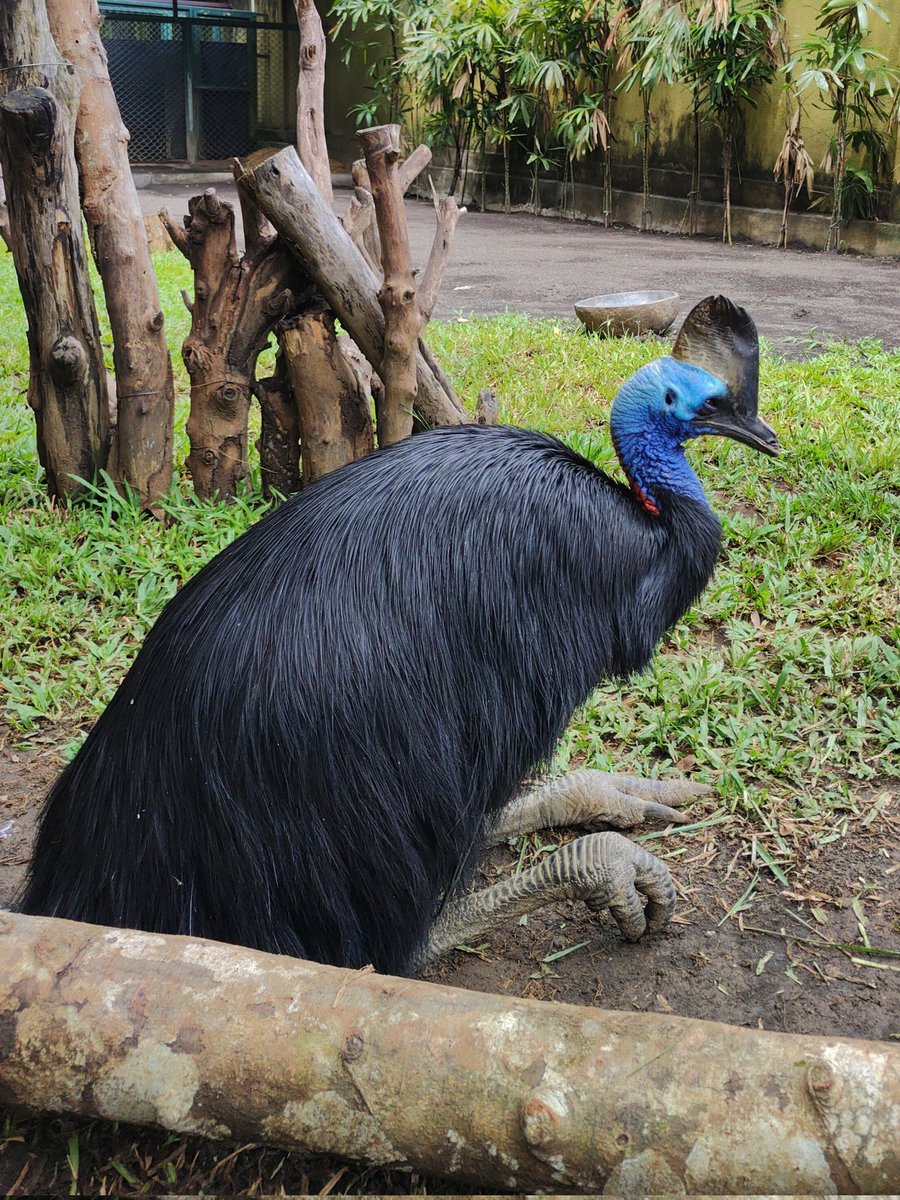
{"x":542,"y":266}
{"x":817,"y":954}
{"x":744,"y":947}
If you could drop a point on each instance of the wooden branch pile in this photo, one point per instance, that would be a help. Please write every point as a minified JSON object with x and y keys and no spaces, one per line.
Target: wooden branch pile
{"x":494,"y":1092}
{"x":294,"y":280}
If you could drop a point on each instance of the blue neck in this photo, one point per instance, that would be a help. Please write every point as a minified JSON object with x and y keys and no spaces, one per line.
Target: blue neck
{"x":653,"y":460}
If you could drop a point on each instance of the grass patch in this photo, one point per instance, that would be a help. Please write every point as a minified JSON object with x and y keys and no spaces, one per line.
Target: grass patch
{"x":782,"y":682}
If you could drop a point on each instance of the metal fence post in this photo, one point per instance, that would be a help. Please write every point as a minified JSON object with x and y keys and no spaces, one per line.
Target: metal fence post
{"x":190,"y":38}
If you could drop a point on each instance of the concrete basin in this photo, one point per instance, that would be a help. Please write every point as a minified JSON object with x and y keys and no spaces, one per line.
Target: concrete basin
{"x":628,"y":312}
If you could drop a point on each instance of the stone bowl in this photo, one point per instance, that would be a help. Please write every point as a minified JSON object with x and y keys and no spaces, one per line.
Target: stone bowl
{"x":628,"y":312}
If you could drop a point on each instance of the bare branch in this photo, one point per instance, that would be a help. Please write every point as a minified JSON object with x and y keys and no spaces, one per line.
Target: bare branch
{"x":311,"y":145}
{"x":176,"y":232}
{"x":448,"y":213}
{"x":411,"y":168}
{"x":398,"y":292}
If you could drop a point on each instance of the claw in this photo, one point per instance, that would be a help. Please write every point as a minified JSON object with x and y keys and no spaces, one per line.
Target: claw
{"x":625,"y":802}
{"x":633,"y":873}
{"x":631,"y":812}
{"x":596,"y":800}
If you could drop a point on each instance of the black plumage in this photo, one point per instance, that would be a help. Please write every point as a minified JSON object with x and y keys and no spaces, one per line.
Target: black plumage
{"x":304,"y":752}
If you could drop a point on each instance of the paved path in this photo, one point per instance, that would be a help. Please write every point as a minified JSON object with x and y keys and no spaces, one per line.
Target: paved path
{"x":541,"y":266}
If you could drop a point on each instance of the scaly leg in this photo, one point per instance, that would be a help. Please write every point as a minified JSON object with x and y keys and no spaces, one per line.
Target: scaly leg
{"x":604,"y":870}
{"x":594,"y":800}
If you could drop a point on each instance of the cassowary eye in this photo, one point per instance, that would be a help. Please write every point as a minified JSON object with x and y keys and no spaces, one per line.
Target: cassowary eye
{"x":670,"y":397}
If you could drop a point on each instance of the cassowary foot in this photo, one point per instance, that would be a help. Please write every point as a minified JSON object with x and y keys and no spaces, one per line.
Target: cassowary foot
{"x":604,"y":870}
{"x":595,"y":800}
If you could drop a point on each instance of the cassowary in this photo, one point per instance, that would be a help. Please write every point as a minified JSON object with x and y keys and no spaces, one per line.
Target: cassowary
{"x":320,"y":726}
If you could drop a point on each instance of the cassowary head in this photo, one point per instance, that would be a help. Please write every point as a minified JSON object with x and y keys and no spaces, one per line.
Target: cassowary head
{"x":669,"y":402}
{"x":709,"y":385}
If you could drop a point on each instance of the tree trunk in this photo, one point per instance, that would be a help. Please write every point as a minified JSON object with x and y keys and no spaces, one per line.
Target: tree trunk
{"x":645,"y":160}
{"x":287,"y":195}
{"x":311,"y":145}
{"x":4,"y":215}
{"x":237,"y":303}
{"x":67,"y":384}
{"x":781,"y":244}
{"x":397,"y":295}
{"x":494,"y":1092}
{"x":607,"y":153}
{"x":727,"y":162}
{"x":332,"y":402}
{"x":279,"y":437}
{"x":833,"y":239}
{"x":695,"y":170}
{"x":143,"y":370}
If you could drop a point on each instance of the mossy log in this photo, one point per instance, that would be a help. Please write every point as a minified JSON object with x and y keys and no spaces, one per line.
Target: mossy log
{"x":500,"y":1093}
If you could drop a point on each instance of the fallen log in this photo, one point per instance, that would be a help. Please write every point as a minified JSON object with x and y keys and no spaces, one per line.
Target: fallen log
{"x":287,"y":195}
{"x":144,"y":386}
{"x":227,"y":1042}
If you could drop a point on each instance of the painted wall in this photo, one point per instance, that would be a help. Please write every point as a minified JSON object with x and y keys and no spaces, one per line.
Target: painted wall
{"x":673,"y":137}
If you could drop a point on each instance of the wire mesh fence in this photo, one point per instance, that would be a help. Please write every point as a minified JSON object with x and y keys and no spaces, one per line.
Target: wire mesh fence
{"x":198,"y":87}
{"x":146,"y":66}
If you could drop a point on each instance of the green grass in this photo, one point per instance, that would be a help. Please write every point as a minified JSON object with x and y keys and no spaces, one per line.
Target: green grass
{"x":780,"y":685}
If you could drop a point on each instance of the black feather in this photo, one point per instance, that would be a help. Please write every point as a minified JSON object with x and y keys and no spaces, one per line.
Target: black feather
{"x":304,"y":752}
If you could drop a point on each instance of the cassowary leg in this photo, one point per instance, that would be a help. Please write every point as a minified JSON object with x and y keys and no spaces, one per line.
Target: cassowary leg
{"x":604,"y":870}
{"x":594,"y":800}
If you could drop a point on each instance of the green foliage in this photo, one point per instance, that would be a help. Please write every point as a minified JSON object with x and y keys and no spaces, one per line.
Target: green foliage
{"x":494,"y":75}
{"x":376,"y":29}
{"x":538,"y":78}
{"x":861,"y":89}
{"x":731,"y":58}
{"x":782,"y":679}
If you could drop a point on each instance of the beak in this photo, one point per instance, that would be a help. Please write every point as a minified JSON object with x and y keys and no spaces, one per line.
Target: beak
{"x":727,"y":421}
